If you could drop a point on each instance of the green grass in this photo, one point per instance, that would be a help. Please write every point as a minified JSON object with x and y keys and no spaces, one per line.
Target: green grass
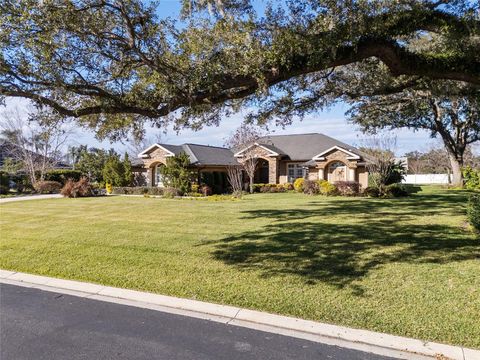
{"x":406,"y":266}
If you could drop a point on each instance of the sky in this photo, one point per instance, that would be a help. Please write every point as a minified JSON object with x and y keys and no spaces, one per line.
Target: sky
{"x":332,"y":123}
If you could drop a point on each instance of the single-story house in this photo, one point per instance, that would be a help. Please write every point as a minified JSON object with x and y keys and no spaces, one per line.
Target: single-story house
{"x":281,"y":159}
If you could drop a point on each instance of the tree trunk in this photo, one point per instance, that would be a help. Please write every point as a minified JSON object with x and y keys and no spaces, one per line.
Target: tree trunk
{"x":251,"y":184}
{"x":456,"y":165}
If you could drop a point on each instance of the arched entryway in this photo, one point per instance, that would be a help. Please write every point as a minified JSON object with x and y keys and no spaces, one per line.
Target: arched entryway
{"x":156,"y":174}
{"x":336,"y":171}
{"x":261,"y":172}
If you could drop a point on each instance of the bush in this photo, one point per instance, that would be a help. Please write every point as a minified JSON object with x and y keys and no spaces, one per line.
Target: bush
{"x":109,"y":188}
{"x":288,"y":186}
{"x":348,"y":188}
{"x":4,"y":179}
{"x":472,"y":178}
{"x":298,"y":184}
{"x":372,"y":191}
{"x":473,"y":211}
{"x":170,"y":192}
{"x":80,"y":188}
{"x":47,"y":187}
{"x":195,"y":188}
{"x":137,"y":190}
{"x":310,"y":187}
{"x":205,"y":190}
{"x":3,"y":190}
{"x":395,"y":190}
{"x":63,"y":175}
{"x":326,"y":188}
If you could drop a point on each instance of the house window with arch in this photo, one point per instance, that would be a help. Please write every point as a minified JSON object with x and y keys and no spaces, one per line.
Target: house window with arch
{"x":157,"y":176}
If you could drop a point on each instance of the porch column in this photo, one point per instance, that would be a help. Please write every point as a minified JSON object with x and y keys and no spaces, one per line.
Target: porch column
{"x":273,"y":171}
{"x":149,"y":176}
{"x":321,"y":174}
{"x":351,"y":174}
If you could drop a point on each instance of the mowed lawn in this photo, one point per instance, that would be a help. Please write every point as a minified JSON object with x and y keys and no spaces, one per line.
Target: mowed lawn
{"x":406,"y":266}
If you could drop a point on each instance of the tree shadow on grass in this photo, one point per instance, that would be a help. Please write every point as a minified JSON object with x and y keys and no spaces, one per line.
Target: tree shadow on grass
{"x":298,"y":241}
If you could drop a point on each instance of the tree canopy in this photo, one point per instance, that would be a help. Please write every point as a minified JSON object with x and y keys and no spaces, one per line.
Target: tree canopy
{"x":117,"y":65}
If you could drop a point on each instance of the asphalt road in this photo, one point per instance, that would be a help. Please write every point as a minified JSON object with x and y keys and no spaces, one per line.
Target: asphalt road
{"x":36,"y":324}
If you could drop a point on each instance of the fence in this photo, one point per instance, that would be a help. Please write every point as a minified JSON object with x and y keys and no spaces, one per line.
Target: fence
{"x":427,"y":179}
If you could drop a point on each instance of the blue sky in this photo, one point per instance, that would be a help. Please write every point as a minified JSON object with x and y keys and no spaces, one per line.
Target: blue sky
{"x":332,"y":123}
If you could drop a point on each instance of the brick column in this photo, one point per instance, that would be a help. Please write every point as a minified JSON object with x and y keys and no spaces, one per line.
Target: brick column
{"x":149,"y":176}
{"x":273,"y":171}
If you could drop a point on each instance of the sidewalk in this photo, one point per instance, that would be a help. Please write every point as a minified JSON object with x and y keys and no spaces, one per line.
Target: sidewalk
{"x":356,"y":339}
{"x":30,"y":197}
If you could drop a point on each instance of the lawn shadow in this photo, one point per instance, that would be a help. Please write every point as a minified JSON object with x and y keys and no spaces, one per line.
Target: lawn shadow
{"x":298,"y":241}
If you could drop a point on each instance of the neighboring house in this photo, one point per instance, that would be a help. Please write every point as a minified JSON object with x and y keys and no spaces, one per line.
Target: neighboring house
{"x":281,"y":159}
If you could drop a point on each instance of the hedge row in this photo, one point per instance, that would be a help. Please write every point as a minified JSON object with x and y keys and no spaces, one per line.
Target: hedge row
{"x":137,"y":190}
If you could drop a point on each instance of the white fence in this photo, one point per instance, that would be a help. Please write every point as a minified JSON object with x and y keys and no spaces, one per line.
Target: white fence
{"x":427,"y":179}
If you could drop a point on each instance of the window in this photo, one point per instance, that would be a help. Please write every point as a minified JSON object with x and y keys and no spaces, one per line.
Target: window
{"x":295,"y":171}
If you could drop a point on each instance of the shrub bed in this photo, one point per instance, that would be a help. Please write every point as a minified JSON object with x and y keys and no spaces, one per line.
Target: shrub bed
{"x":326,"y":188}
{"x":47,"y":187}
{"x":348,"y":188}
{"x":80,"y":188}
{"x":137,"y":190}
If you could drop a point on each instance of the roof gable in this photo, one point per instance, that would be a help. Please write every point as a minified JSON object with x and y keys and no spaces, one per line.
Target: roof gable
{"x":351,"y":155}
{"x":145,"y":152}
{"x":272,"y":151}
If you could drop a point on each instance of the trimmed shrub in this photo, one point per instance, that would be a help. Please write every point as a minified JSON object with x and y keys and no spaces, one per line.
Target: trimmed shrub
{"x":472,"y":178}
{"x":348,"y":188}
{"x":473,"y":211}
{"x":109,"y":188}
{"x":205,"y":190}
{"x":288,"y":186}
{"x":47,"y":187}
{"x":63,"y":175}
{"x":195,"y":188}
{"x":326,"y":188}
{"x":372,"y":191}
{"x":395,"y":190}
{"x":170,"y":192}
{"x":310,"y":187}
{"x":4,"y":179}
{"x":298,"y":184}
{"x":3,"y":190}
{"x":80,"y":188}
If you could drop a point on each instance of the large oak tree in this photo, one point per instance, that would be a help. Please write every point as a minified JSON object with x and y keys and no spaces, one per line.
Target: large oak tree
{"x":115,"y":65}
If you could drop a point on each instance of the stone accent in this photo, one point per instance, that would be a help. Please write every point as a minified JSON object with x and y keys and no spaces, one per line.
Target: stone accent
{"x":156,"y":156}
{"x":273,"y":163}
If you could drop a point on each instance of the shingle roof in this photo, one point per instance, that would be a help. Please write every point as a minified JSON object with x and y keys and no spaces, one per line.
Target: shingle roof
{"x":296,"y":147}
{"x":304,"y":146}
{"x":209,"y":155}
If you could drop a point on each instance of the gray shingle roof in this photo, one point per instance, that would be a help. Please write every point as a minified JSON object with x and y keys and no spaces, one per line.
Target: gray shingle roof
{"x":296,"y":147}
{"x":209,"y":155}
{"x":303,"y":146}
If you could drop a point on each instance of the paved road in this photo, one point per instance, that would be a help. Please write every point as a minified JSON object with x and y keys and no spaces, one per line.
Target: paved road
{"x":30,"y":197}
{"x":36,"y":324}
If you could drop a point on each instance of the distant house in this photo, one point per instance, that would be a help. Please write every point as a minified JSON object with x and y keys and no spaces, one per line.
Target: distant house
{"x":281,"y":159}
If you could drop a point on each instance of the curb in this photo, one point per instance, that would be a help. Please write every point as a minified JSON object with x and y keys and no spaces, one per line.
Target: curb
{"x":356,"y":339}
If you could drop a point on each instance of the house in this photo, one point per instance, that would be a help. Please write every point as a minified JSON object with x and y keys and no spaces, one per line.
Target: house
{"x":281,"y":159}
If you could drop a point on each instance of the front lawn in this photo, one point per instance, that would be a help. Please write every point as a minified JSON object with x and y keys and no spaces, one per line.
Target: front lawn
{"x":406,"y":266}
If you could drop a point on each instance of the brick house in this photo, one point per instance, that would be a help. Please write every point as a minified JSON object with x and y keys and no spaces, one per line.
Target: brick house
{"x":281,"y":159}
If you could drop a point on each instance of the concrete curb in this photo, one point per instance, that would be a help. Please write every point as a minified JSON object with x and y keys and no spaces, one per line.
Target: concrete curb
{"x":362,"y":340}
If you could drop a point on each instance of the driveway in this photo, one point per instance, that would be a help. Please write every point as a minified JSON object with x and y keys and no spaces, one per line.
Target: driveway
{"x":36,"y":324}
{"x":30,"y":197}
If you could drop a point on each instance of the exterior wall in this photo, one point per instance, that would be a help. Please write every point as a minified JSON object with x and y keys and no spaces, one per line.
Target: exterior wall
{"x":282,"y":172}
